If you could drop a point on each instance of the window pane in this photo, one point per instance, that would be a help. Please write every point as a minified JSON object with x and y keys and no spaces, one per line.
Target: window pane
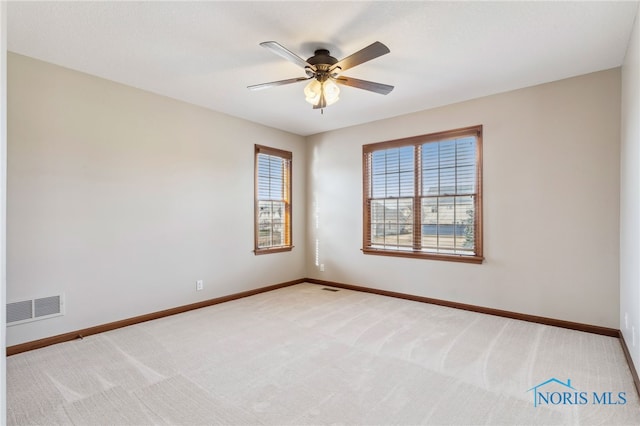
{"x":407,"y":184}
{"x":406,"y":159}
{"x":447,"y":153}
{"x":448,"y":224}
{"x":392,"y":161}
{"x":405,"y":222}
{"x":378,"y":186}
{"x":466,"y":151}
{"x":392,"y":185}
{"x":448,"y":167}
{"x":392,"y":173}
{"x":377,"y":222}
{"x":430,"y":157}
{"x":270,"y":177}
{"x":391,"y":222}
{"x":465,"y":215}
{"x":430,"y":182}
{"x":378,"y":160}
{"x":447,"y":181}
{"x":446,"y":218}
{"x":270,"y":223}
{"x":465,"y":179}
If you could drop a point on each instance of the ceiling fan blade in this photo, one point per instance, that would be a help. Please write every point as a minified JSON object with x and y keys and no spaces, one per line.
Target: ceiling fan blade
{"x":370,"y":52}
{"x":277,"y":83}
{"x":285,"y":53}
{"x":371,"y":86}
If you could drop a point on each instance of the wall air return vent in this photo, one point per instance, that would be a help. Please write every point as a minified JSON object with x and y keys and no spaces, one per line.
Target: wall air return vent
{"x":34,"y":309}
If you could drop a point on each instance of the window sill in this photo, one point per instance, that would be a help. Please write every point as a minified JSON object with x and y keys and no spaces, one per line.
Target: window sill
{"x":421,"y":255}
{"x":272,"y":250}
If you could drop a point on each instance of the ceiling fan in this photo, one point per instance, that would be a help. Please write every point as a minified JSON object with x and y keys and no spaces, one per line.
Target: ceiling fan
{"x":324,"y":71}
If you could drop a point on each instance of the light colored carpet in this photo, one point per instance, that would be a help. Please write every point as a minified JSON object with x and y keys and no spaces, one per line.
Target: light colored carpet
{"x":304,"y":355}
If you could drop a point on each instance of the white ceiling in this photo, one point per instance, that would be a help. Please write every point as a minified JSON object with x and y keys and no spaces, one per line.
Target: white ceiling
{"x":206,"y":53}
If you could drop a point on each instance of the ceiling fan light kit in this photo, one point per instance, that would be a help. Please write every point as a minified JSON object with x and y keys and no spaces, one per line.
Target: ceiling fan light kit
{"x":315,"y":91}
{"x":324,"y":71}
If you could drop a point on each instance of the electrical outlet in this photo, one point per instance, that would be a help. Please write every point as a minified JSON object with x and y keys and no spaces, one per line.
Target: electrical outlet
{"x":322,"y":267}
{"x":199,"y":285}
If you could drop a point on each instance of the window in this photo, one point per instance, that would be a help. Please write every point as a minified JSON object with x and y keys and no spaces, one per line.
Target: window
{"x":423,"y":196}
{"x":272,"y":200}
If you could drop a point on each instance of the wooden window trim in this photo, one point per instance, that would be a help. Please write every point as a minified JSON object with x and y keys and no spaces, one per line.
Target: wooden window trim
{"x":270,"y":250}
{"x":368,"y":149}
{"x":288,"y":246}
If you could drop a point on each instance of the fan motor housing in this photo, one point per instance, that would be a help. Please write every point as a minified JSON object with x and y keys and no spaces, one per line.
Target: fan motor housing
{"x":322,"y":57}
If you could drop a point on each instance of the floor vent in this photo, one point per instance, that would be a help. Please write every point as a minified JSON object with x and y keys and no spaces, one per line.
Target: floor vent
{"x":330,"y":289}
{"x":34,"y":309}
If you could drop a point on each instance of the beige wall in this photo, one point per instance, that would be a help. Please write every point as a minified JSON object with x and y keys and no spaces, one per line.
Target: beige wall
{"x":551,"y":194}
{"x":630,"y":198}
{"x":122,"y":199}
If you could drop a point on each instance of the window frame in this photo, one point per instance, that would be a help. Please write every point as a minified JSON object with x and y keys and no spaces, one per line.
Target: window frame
{"x":416,"y":251}
{"x":287,"y":156}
